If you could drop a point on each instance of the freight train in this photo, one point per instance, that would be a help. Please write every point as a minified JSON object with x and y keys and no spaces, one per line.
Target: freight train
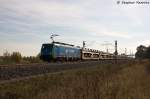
{"x":57,"y":51}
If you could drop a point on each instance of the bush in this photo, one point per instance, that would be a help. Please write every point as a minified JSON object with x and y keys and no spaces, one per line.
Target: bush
{"x":32,"y":59}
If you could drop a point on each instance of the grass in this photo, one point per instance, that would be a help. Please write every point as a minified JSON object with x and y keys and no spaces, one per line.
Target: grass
{"x":9,"y":60}
{"x":128,"y":81}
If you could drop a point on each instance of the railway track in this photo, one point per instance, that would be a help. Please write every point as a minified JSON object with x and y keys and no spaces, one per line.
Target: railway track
{"x":9,"y":72}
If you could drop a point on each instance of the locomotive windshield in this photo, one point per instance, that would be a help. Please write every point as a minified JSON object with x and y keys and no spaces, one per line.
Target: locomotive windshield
{"x":46,"y":52}
{"x":46,"y":49}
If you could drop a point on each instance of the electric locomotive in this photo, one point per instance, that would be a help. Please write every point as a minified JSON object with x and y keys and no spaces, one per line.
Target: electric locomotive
{"x":60,"y":51}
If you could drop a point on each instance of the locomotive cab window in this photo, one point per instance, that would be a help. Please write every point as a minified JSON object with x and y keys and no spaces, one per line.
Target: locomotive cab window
{"x":46,"y":49}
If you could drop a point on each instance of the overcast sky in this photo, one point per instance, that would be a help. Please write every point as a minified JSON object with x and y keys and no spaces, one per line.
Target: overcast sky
{"x":26,"y":24}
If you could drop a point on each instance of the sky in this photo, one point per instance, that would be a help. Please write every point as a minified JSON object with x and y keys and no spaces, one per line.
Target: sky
{"x":26,"y":24}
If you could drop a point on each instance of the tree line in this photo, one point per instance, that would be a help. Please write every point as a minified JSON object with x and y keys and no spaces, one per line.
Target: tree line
{"x":16,"y":57}
{"x":143,"y":52}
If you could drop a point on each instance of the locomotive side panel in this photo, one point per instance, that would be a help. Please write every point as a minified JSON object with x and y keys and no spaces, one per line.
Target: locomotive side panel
{"x":66,"y":53}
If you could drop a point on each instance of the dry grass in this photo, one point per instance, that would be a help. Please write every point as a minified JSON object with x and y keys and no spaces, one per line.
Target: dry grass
{"x":129,"y":81}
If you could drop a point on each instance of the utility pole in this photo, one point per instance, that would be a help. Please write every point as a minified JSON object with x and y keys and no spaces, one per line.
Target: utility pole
{"x":116,"y":48}
{"x":116,"y":51}
{"x":84,"y":44}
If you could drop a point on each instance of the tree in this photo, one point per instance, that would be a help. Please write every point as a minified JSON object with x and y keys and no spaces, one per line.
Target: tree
{"x":6,"y":56}
{"x":143,"y":52}
{"x":16,"y":57}
{"x":148,"y":52}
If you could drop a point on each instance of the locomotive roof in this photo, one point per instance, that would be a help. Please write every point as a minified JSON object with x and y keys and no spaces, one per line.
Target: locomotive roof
{"x":62,"y":44}
{"x":68,"y":46}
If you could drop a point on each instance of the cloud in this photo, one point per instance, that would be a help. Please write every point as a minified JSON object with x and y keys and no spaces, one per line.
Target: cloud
{"x":30,"y":14}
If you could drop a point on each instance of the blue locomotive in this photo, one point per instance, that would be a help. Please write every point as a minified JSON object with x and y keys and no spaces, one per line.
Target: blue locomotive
{"x":60,"y":51}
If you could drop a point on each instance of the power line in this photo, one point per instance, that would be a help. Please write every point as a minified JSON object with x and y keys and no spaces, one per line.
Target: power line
{"x":106,"y":44}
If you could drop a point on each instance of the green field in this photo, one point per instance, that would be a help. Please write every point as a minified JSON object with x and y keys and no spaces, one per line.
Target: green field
{"x":127,"y":81}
